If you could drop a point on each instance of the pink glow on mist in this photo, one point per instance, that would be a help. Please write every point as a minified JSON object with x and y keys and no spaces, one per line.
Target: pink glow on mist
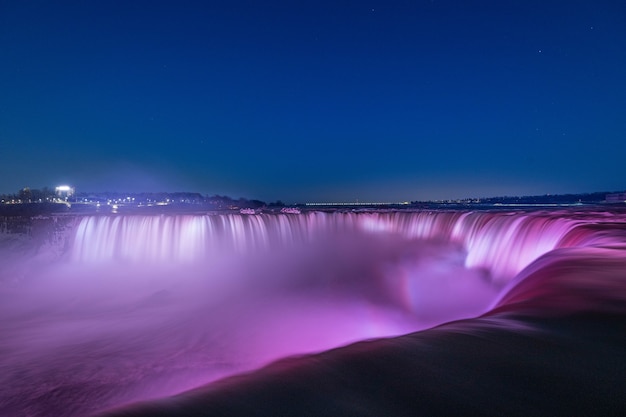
{"x":502,"y":243}
{"x":146,"y":306}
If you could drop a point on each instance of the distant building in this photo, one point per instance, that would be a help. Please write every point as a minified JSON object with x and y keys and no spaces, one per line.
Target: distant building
{"x":616,"y":198}
{"x":64,"y":192}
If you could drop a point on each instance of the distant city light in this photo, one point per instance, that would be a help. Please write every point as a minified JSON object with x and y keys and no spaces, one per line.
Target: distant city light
{"x":63,"y":192}
{"x":357,"y":203}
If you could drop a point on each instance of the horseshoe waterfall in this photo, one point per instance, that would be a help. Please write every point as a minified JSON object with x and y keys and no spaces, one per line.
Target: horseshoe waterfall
{"x":437,"y":312}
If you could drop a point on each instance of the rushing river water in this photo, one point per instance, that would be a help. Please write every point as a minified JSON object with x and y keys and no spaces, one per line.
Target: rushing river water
{"x":138,"y":308}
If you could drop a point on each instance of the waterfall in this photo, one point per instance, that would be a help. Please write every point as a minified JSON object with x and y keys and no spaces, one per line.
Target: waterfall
{"x":500,"y":242}
{"x":141,"y":307}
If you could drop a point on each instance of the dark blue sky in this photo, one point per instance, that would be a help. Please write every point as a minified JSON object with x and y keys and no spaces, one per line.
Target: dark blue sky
{"x":309,"y":101}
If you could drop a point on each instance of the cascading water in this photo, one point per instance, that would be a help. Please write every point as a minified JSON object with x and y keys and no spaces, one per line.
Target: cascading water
{"x":503,"y":243}
{"x":147,"y":306}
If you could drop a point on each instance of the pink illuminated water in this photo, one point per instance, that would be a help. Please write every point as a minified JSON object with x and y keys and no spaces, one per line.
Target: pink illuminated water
{"x":503,"y":243}
{"x":140,"y":307}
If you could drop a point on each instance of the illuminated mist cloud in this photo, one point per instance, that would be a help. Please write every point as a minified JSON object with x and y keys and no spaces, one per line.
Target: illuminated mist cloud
{"x":140,"y":307}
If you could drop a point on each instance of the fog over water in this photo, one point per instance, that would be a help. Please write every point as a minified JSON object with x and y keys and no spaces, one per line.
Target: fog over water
{"x":130,"y":308}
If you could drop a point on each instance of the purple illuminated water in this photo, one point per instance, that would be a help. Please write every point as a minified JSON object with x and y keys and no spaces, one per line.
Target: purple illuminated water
{"x":141,"y":307}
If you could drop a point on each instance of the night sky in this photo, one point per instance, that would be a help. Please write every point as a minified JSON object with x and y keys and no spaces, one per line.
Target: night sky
{"x":314,"y":101}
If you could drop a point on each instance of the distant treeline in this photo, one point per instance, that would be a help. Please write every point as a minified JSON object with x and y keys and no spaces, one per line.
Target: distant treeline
{"x":46,"y":194}
{"x":28,"y":195}
{"x":218,"y":201}
{"x":585,"y":198}
{"x":549,"y":199}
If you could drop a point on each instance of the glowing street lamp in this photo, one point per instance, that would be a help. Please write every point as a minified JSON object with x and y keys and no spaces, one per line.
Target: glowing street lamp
{"x":64,"y":191}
